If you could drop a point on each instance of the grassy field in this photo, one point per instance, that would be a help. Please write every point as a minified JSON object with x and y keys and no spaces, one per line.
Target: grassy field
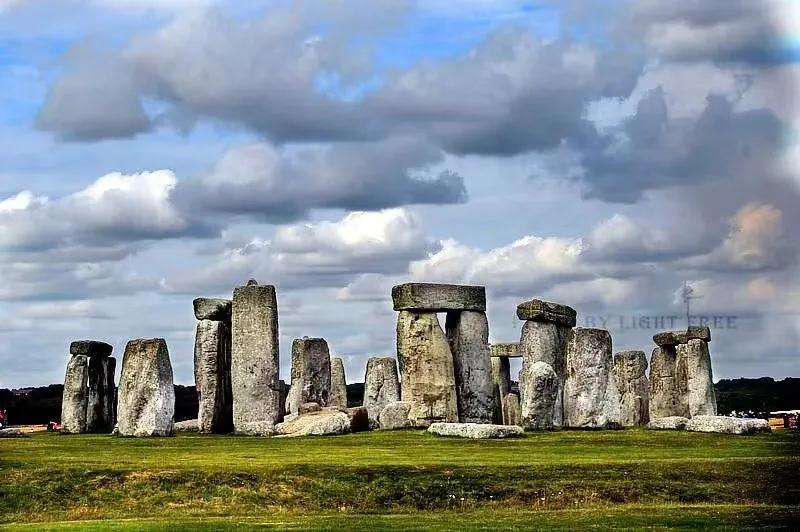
{"x":402,"y":480}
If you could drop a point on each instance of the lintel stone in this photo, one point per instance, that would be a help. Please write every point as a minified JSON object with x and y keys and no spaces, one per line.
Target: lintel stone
{"x":213,"y":309}
{"x":673,"y":338}
{"x":91,"y":348}
{"x":538,"y":310}
{"x":438,"y":297}
{"x":505,"y":350}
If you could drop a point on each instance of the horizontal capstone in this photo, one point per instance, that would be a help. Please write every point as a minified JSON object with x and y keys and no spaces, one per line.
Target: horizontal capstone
{"x":438,"y":297}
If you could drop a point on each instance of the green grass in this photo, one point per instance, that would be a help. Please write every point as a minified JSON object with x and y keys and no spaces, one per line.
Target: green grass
{"x":392,"y":480}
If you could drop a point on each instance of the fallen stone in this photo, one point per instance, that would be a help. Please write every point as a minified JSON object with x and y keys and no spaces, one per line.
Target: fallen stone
{"x":505,"y":350}
{"x":212,"y":377}
{"x":255,"y":382}
{"x":146,"y":394}
{"x":727,"y":425}
{"x":311,"y":373}
{"x":328,"y":421}
{"x":381,"y":386}
{"x":213,"y":309}
{"x":512,"y":411}
{"x":591,"y":396}
{"x":438,"y":297}
{"x":12,"y":432}
{"x":700,"y":396}
{"x":90,"y":348}
{"x":338,"y":396}
{"x":630,"y":369}
{"x":541,"y":390}
{"x":308,"y":408}
{"x":668,"y":423}
{"x":190,"y":425}
{"x":476,"y":431}
{"x":543,"y":342}
{"x":426,"y":368}
{"x":74,"y":401}
{"x":538,"y":310}
{"x":501,"y":385}
{"x":394,"y":416}
{"x":468,"y":334}
{"x":667,"y":396}
{"x":100,"y":414}
{"x":359,"y":419}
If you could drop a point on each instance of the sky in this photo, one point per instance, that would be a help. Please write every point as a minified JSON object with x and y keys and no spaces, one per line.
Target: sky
{"x":597,"y":153}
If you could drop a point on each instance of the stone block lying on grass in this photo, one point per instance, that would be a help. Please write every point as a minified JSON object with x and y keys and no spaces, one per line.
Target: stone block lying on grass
{"x":727,"y":425}
{"x":12,"y":433}
{"x":477,"y":431}
{"x":190,"y":425}
{"x":668,"y":423}
{"x":328,"y":421}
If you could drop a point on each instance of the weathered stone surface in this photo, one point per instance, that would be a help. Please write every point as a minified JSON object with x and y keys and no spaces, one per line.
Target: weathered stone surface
{"x":90,"y":348}
{"x":394,"y":416}
{"x":100,"y":413}
{"x":381,"y":386}
{"x":254,"y":359}
{"x":591,"y":396}
{"x":426,"y":368}
{"x":338,"y":396}
{"x":438,"y":297}
{"x":327,"y":421}
{"x":12,"y":432}
{"x":698,"y":332}
{"x":505,"y":350}
{"x":667,"y":396}
{"x":541,"y":390}
{"x":512,"y":411}
{"x":700,"y":396}
{"x":538,"y":310}
{"x":359,"y":419}
{"x":630,"y":369}
{"x":213,"y":309}
{"x":476,"y":431}
{"x":468,"y":335}
{"x":190,"y":425}
{"x":501,"y":385}
{"x":282,"y":394}
{"x":212,"y":377}
{"x":76,"y":394}
{"x":673,"y":338}
{"x":727,"y":425}
{"x":668,"y":423}
{"x":308,"y":408}
{"x":311,"y":373}
{"x":146,"y":402}
{"x":543,"y":342}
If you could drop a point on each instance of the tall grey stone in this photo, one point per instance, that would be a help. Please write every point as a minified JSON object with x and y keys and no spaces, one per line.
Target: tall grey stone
{"x":146,"y":395}
{"x":468,"y":334}
{"x":74,"y":400}
{"x":255,"y":361}
{"x":427,"y":378}
{"x":501,"y":381}
{"x":591,"y":396}
{"x":212,"y":376}
{"x":338,"y":396}
{"x":100,"y":414}
{"x":512,"y":411}
{"x":311,"y":373}
{"x":667,"y":396}
{"x":700,"y":397}
{"x":381,"y":386}
{"x":543,"y":341}
{"x":433,"y":297}
{"x":630,"y":369}
{"x":541,"y":391}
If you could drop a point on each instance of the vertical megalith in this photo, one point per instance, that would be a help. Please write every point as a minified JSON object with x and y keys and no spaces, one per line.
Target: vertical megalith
{"x":427,"y":379}
{"x":146,"y":395}
{"x":591,"y":397}
{"x":540,"y":396}
{"x":255,"y":361}
{"x":468,"y":334}
{"x":512,"y":412}
{"x":100,"y":414}
{"x":212,"y":376}
{"x":381,"y":387}
{"x":630,"y":369}
{"x":338,"y":396}
{"x":501,"y":384}
{"x":311,"y":374}
{"x":75,"y":398}
{"x":700,"y":396}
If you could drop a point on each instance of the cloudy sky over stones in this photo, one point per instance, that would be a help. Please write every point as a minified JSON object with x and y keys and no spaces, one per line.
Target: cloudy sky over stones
{"x":596,"y":153}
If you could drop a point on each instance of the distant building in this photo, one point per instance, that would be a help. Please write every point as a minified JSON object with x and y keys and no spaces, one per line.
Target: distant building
{"x":784,"y":419}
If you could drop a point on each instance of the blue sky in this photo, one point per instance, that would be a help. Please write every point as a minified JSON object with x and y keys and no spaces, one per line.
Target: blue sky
{"x":597,"y":154}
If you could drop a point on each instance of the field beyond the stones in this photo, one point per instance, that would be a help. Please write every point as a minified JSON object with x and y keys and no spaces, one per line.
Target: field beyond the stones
{"x":401,"y":480}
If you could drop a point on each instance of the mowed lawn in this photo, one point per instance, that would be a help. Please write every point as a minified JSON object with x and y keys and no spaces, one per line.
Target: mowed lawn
{"x":402,"y":480}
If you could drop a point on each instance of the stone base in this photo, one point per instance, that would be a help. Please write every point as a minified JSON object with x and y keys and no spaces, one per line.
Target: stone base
{"x":328,"y":421}
{"x":394,"y":416}
{"x":727,"y":425}
{"x":475,"y":431}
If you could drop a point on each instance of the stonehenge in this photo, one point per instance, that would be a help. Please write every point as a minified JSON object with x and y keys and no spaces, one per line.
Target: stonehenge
{"x":311,"y":374}
{"x":100,"y":412}
{"x":75,"y":397}
{"x":146,"y":404}
{"x":381,"y":387}
{"x":541,"y":391}
{"x":212,"y":365}
{"x":468,"y":334}
{"x":630,"y":369}
{"x":88,"y":400}
{"x":338,"y":395}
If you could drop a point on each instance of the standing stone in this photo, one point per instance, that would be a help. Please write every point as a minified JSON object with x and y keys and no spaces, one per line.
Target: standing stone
{"x":468,"y":334}
{"x":501,"y":380}
{"x":426,"y":368}
{"x":591,"y":397}
{"x":381,"y":387}
{"x":100,"y":413}
{"x":543,"y":341}
{"x":75,"y":398}
{"x":512,"y":412}
{"x":338,"y":396}
{"x":255,"y":361}
{"x":630,"y":369}
{"x":311,"y":373}
{"x":667,"y":386}
{"x":540,"y":396}
{"x":212,"y":377}
{"x":395,"y":416}
{"x":146,"y":403}
{"x":699,"y":384}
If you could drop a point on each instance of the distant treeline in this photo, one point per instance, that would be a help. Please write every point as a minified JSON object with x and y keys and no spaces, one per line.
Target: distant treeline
{"x":38,"y":406}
